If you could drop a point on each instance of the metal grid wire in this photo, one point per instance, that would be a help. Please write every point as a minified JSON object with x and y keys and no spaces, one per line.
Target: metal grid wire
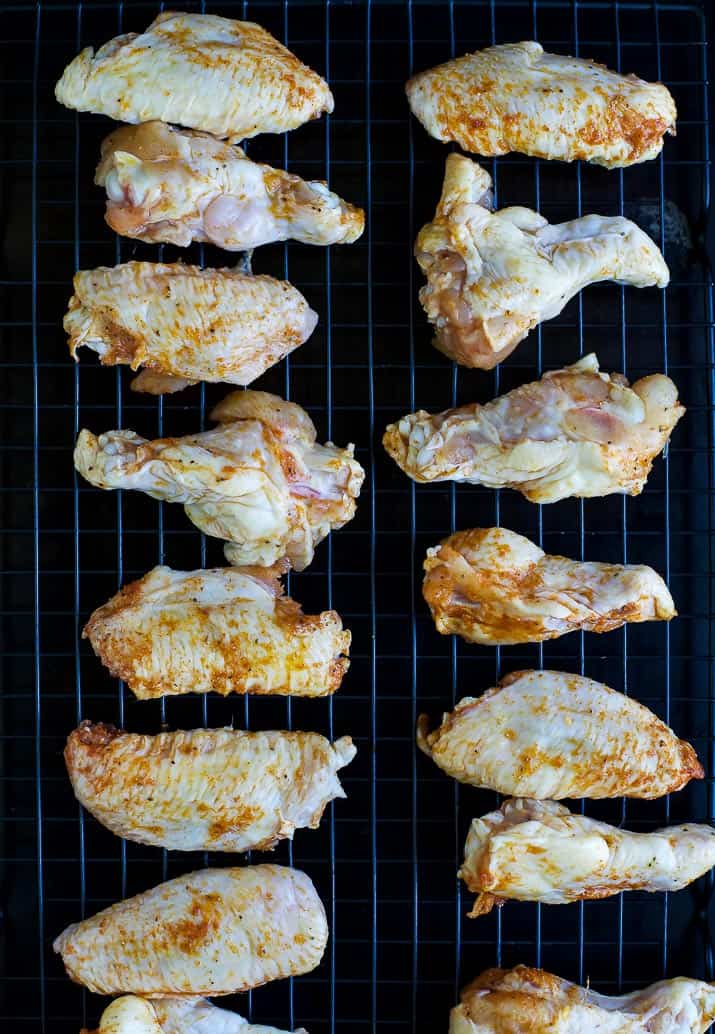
{"x":385,"y":859}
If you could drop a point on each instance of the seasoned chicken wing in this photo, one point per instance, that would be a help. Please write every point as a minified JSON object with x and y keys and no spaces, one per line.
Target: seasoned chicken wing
{"x":546,"y":734}
{"x":258,"y":480}
{"x":225,"y":630}
{"x":515,"y":97}
{"x":132,"y":1015}
{"x":576,"y":432}
{"x":184,"y":323}
{"x":205,"y":790}
{"x":540,"y":851}
{"x":493,"y":276}
{"x":211,"y":932}
{"x":494,"y":587}
{"x":174,"y":186}
{"x":521,"y":1000}
{"x":229,"y":78}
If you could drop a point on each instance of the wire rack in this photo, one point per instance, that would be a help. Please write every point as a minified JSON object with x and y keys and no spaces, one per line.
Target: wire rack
{"x":385,"y":859}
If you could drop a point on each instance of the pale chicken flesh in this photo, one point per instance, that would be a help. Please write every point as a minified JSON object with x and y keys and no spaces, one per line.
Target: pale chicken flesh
{"x":494,"y":587}
{"x":516,"y":97}
{"x":540,"y":851}
{"x":258,"y":480}
{"x":132,"y":1015}
{"x":184,"y":324}
{"x":530,"y":1001}
{"x":493,"y":276}
{"x":576,"y":432}
{"x":548,"y":734}
{"x":226,"y":77}
{"x":172,"y":186}
{"x":210,"y":932}
{"x":223,"y":630}
{"x":208,"y":789}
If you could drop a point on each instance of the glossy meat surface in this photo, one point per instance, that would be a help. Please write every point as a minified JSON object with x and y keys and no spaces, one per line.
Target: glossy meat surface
{"x":226,"y":77}
{"x":517,"y":97}
{"x":548,"y":734}
{"x":173,"y":186}
{"x":493,"y":276}
{"x":494,"y":587}
{"x":132,"y":1015}
{"x":184,"y":323}
{"x":258,"y":480}
{"x":540,"y":851}
{"x":576,"y":432}
{"x":223,"y":630}
{"x":210,"y":932}
{"x":530,"y":1001}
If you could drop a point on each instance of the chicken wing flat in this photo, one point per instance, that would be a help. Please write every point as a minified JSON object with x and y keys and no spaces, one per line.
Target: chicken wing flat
{"x":494,"y":587}
{"x":540,"y":851}
{"x":173,"y":186}
{"x":205,"y":790}
{"x":493,"y":276}
{"x":132,"y":1015}
{"x":258,"y":480}
{"x":226,"y":77}
{"x":211,"y":932}
{"x":515,"y":97}
{"x":576,"y":432}
{"x":521,"y":1000}
{"x":223,"y":630}
{"x":184,"y":323}
{"x":546,"y":734}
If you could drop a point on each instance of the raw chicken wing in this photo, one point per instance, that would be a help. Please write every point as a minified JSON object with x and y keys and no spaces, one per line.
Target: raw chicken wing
{"x":576,"y":432}
{"x":515,"y":97}
{"x":494,"y":587}
{"x":184,"y":324}
{"x":229,"y":78}
{"x":225,"y":630}
{"x":258,"y":480}
{"x":530,"y":1001}
{"x":546,"y":734}
{"x":493,"y":276}
{"x":173,"y":186}
{"x":132,"y":1015}
{"x":205,"y":790}
{"x":540,"y":851}
{"x":211,"y":932}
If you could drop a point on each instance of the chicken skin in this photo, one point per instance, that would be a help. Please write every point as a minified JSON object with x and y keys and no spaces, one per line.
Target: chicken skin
{"x":546,"y":734}
{"x":493,"y":276}
{"x":226,"y":77}
{"x":540,"y":851}
{"x":494,"y":587}
{"x":210,"y":932}
{"x":576,"y":432}
{"x":173,"y":186}
{"x":132,"y":1015}
{"x":184,"y":324}
{"x":530,"y":1001}
{"x":258,"y":480}
{"x":224,"y":630}
{"x":205,"y":790}
{"x":516,"y":97}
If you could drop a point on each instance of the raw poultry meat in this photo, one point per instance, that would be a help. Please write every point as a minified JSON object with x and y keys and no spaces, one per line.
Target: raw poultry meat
{"x":517,"y":97}
{"x":494,"y":587}
{"x":493,"y":276}
{"x":548,"y":734}
{"x":184,"y":324}
{"x":226,"y":77}
{"x":173,"y":186}
{"x":576,"y":432}
{"x":258,"y":480}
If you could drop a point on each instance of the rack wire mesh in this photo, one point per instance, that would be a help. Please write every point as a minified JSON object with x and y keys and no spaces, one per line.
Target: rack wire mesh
{"x":385,"y":859}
